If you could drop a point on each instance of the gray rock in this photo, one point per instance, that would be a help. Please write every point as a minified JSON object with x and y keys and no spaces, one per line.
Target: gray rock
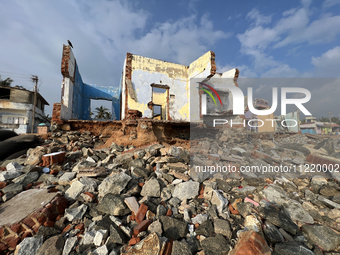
{"x":11,"y":190}
{"x":30,"y":245}
{"x":272,"y":234}
{"x":275,"y":194}
{"x":309,"y":195}
{"x":180,"y":248}
{"x":222,"y":227}
{"x":223,"y":185}
{"x":14,"y":167}
{"x":102,"y":250}
{"x":88,"y":237}
{"x":244,"y":208}
{"x":292,"y":248}
{"x":47,"y":232}
{"x":322,"y":236}
{"x":217,"y":245}
{"x":113,"y":184}
{"x":89,"y":183}
{"x":66,"y":178}
{"x":6,"y":175}
{"x":296,"y":212}
{"x":117,"y":235}
{"x":26,"y":179}
{"x":205,"y":229}
{"x":329,"y":202}
{"x":156,"y":227}
{"x":53,"y":245}
{"x":173,"y":228}
{"x":100,"y":237}
{"x":75,"y":190}
{"x":186,"y":190}
{"x":151,"y":188}
{"x":279,"y":219}
{"x":199,"y":218}
{"x":161,"y":211}
{"x":113,"y":205}
{"x":69,"y":245}
{"x":77,"y":213}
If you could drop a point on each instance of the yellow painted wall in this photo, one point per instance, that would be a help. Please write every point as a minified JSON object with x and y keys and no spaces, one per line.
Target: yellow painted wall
{"x":267,"y":127}
{"x":160,"y":99}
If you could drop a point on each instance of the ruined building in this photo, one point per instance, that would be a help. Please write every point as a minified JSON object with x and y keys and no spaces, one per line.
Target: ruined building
{"x":157,"y":89}
{"x":16,"y":109}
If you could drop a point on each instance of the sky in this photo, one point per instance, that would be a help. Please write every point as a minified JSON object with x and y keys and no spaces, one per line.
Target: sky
{"x":263,"y":39}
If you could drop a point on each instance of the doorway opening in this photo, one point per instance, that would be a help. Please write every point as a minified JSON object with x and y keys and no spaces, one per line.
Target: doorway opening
{"x":160,"y":101}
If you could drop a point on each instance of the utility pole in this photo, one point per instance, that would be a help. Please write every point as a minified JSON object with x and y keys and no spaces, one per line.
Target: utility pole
{"x":34,"y":79}
{"x":330,"y":121}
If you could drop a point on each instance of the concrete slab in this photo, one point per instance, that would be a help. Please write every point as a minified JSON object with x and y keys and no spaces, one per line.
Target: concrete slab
{"x":23,"y":204}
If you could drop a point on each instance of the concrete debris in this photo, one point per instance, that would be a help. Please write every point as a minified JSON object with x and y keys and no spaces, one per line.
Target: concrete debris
{"x":152,"y":200}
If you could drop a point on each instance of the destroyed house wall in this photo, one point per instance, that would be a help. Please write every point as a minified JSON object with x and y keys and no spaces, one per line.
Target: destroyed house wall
{"x":76,"y":95}
{"x":140,"y":73}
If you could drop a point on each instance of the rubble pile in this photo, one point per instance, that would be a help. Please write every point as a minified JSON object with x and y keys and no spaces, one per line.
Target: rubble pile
{"x":67,"y":197}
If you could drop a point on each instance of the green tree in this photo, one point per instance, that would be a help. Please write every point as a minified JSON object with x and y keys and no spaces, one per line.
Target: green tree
{"x":7,"y":82}
{"x":102,"y":113}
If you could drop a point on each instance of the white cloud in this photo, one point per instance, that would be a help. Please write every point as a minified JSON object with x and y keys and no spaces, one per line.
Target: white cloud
{"x":258,"y":19}
{"x":330,"y":3}
{"x":328,"y":64}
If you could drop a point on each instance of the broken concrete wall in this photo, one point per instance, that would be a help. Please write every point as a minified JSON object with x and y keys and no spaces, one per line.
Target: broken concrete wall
{"x":143,"y":72}
{"x":76,"y":95}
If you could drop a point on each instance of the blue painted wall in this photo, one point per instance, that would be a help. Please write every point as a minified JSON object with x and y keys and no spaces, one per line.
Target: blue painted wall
{"x":83,"y":93}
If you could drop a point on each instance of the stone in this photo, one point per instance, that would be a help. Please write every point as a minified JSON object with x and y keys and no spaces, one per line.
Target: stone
{"x":309,"y":195}
{"x":173,"y":228}
{"x":180,"y":248}
{"x":14,"y":167}
{"x":223,"y":185}
{"x":219,"y":200}
{"x":312,"y":211}
{"x":216,"y":245}
{"x":113,"y":184}
{"x":297,"y":212}
{"x":35,"y":155}
{"x":329,"y":202}
{"x":6,"y":175}
{"x":322,"y":236}
{"x":205,"y":229}
{"x":279,"y":219}
{"x":272,"y":234}
{"x":179,"y":166}
{"x":151,"y":188}
{"x":199,"y":219}
{"x":69,"y":245}
{"x":90,"y":184}
{"x":334,"y":214}
{"x":75,"y":190}
{"x":161,"y":211}
{"x":47,"y":232}
{"x":54,"y":245}
{"x":244,"y":208}
{"x":275,"y":194}
{"x":29,"y":246}
{"x":88,"y":237}
{"x":186,"y":190}
{"x":222,"y":227}
{"x":149,"y":246}
{"x":113,"y":205}
{"x":319,"y":180}
{"x":76,"y":214}
{"x":292,"y":248}
{"x":102,"y":250}
{"x":11,"y":190}
{"x":132,"y":203}
{"x":26,"y":179}
{"x":100,"y":237}
{"x":156,"y":227}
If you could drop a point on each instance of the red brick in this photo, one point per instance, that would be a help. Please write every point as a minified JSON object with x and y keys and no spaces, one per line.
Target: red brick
{"x":232,"y":210}
{"x":3,"y":247}
{"x":169,"y":212}
{"x":41,"y":219}
{"x":1,"y":232}
{"x":26,"y":234}
{"x":141,"y":227}
{"x":79,"y":226}
{"x":29,"y":186}
{"x":168,"y":248}
{"x":141,"y":213}
{"x":52,"y":190}
{"x":16,"y":227}
{"x":67,"y":228}
{"x":3,"y":185}
{"x":48,"y":214}
{"x":251,"y":243}
{"x":49,"y":224}
{"x":12,"y":241}
{"x":134,"y":240}
{"x":28,"y":222}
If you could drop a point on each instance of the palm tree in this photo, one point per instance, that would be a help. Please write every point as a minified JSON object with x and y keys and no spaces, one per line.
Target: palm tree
{"x":7,"y":82}
{"x":103,"y":113}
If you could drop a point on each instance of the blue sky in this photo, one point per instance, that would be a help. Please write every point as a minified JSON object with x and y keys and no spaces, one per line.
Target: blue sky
{"x":261,"y":38}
